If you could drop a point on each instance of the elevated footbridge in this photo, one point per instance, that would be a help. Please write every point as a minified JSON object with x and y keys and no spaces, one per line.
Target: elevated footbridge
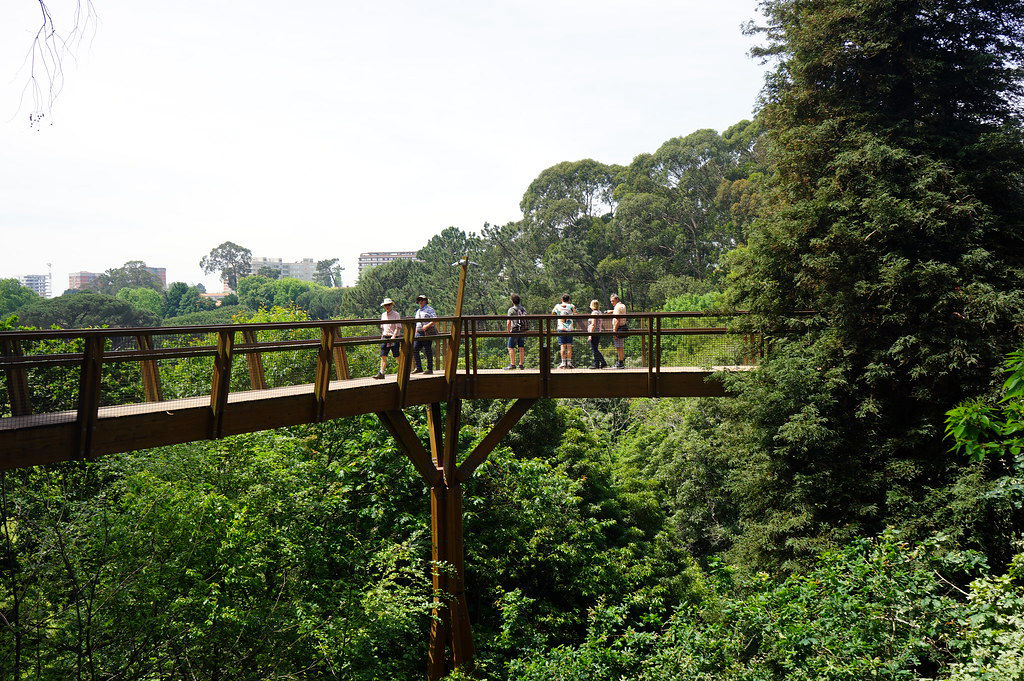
{"x":81,"y":393}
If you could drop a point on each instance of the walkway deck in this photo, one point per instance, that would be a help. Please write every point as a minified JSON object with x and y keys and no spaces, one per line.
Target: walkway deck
{"x":47,"y":438}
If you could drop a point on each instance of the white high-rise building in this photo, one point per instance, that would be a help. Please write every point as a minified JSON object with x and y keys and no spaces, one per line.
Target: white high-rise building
{"x":303,"y":269}
{"x":375,"y":258}
{"x":40,"y":283}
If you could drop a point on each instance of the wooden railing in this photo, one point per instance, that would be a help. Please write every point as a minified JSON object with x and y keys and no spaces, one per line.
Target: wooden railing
{"x":471,"y":344}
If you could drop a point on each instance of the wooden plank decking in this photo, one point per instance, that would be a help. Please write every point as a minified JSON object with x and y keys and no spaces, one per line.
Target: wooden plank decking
{"x":47,"y":438}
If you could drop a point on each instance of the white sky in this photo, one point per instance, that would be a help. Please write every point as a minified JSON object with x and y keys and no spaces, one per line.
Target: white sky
{"x":323,"y":129}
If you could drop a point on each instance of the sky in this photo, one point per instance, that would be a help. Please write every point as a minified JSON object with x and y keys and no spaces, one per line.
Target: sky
{"x":324,"y":129}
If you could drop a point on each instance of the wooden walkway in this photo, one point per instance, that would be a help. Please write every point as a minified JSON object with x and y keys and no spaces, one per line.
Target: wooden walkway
{"x":48,"y":438}
{"x":80,"y":358}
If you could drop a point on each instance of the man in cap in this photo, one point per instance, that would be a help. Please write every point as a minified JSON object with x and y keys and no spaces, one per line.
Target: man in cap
{"x":389,"y":331}
{"x":425,"y":327}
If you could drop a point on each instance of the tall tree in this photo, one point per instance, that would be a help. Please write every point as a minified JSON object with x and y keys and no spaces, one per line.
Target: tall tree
{"x":328,"y":273}
{"x":133,"y":274}
{"x":896,"y":213}
{"x":13,"y":295}
{"x":231,"y":260}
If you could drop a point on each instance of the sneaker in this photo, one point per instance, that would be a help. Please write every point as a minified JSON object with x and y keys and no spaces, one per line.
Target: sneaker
{"x":522,"y":366}
{"x":620,"y":365}
{"x":569,"y":365}
{"x":379,"y":375}
{"x":510,"y":367}
{"x":428,"y":372}
{"x":417,"y":370}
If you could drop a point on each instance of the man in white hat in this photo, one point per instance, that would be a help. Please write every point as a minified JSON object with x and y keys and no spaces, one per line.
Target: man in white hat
{"x":388,"y":333}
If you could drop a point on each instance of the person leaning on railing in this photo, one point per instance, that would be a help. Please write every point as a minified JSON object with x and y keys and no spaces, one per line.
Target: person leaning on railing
{"x":389,"y":331}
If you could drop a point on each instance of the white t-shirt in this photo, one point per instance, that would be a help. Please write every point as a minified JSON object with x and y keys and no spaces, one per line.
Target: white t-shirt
{"x":563,"y":309}
{"x":390,"y":330}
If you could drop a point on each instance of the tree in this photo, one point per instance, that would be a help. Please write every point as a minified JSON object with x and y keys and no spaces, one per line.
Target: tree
{"x":231,"y":260}
{"x":142,"y":298}
{"x":894,"y":212}
{"x":13,"y":295}
{"x":133,"y":274}
{"x":268,"y":272}
{"x":328,"y":273}
{"x":181,"y":299}
{"x":85,"y":310}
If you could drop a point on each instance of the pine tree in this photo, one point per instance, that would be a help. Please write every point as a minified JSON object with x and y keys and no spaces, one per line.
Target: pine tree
{"x":896,"y":213}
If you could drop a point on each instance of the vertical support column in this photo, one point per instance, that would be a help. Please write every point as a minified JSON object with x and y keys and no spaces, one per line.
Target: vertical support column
{"x":322,"y":380}
{"x":340,"y":356}
{"x":221,"y":383}
{"x":544,"y":356}
{"x":89,"y":395}
{"x":150,"y":374}
{"x":17,"y":380}
{"x":254,"y":361}
{"x":405,"y":361}
{"x":440,"y":627}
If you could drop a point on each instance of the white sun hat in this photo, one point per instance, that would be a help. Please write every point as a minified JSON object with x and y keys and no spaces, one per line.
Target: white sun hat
{"x":387,"y":301}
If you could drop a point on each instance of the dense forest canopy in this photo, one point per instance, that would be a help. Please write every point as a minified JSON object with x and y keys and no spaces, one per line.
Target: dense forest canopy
{"x":853,"y":511}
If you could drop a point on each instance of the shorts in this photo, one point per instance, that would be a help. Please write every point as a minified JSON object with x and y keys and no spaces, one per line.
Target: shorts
{"x":564,"y":340}
{"x":389,"y":346}
{"x":619,"y":340}
{"x":516,"y":342}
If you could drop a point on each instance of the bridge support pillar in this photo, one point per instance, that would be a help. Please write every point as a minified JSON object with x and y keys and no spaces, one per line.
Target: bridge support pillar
{"x":451,"y":639}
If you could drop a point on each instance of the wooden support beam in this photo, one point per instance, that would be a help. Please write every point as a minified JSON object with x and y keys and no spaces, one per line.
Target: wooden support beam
{"x":405,"y":362}
{"x":88,"y":396}
{"x":221,"y":384}
{"x":396,"y":423}
{"x":150,"y":373}
{"x":435,"y":426}
{"x":322,"y":379}
{"x":461,"y":634}
{"x":452,"y":425}
{"x":440,"y":626}
{"x":498,"y":432}
{"x":340,"y":356}
{"x":254,"y":360}
{"x":17,"y":380}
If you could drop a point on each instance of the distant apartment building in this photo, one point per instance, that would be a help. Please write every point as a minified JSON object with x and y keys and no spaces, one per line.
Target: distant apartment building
{"x":40,"y":283}
{"x":303,"y":269}
{"x":82,"y":281}
{"x":375,"y":258}
{"x":160,"y":273}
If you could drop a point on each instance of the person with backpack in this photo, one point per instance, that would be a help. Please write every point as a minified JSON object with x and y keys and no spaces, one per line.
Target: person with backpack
{"x":595,"y":326}
{"x":564,"y":310}
{"x":516,"y":326}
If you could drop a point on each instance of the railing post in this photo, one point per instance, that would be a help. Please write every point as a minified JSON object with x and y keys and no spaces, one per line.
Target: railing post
{"x":340,"y":356}
{"x":544,"y":353}
{"x":322,"y":380}
{"x":89,"y":394}
{"x":221,"y":383}
{"x":17,"y":380}
{"x":254,"y":360}
{"x":150,"y":374}
{"x":405,"y":361}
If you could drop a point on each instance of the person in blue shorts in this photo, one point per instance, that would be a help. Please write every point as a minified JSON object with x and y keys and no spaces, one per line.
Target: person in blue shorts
{"x":516,"y":327}
{"x":565,"y":327}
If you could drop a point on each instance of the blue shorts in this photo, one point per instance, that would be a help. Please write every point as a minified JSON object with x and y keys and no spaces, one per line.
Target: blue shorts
{"x":564,"y":340}
{"x":390,"y":346}
{"x":516,"y":342}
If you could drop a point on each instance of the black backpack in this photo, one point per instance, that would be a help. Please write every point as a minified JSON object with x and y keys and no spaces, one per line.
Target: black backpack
{"x":519,"y":325}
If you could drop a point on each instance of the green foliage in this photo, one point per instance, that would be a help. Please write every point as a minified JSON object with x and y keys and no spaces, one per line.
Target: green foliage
{"x":182,"y":299}
{"x":893,"y":212}
{"x":142,"y":298}
{"x":881,"y":609}
{"x":13,"y":296}
{"x":85,"y":310}
{"x":225,"y":314}
{"x":328,"y":273}
{"x":133,"y":274}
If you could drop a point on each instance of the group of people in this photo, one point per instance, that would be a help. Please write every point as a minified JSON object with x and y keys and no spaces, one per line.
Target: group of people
{"x":517,"y":328}
{"x":597,"y":325}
